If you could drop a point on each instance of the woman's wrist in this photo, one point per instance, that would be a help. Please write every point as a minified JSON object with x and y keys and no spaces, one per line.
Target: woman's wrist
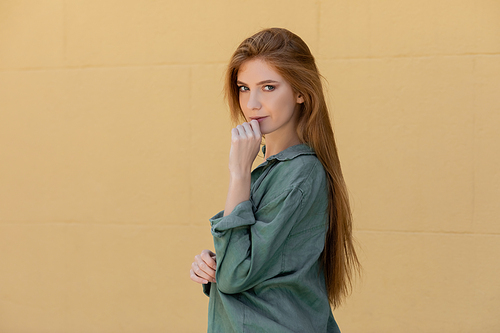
{"x":239,"y":191}
{"x":240,"y":175}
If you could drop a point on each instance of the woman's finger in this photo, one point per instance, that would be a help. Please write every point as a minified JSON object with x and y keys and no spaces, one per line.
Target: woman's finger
{"x":234,"y":134}
{"x":209,"y":258}
{"x":256,"y":127}
{"x":196,"y":278}
{"x":249,"y":132}
{"x":208,"y":272}
{"x":200,"y":272}
{"x":241,"y":131}
{"x":209,"y":252}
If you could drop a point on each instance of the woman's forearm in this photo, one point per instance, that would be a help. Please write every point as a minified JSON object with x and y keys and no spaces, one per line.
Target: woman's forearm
{"x":239,"y":191}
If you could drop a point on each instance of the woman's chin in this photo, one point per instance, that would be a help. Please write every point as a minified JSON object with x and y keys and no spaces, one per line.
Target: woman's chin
{"x":264,"y":132}
{"x":264,"y":129}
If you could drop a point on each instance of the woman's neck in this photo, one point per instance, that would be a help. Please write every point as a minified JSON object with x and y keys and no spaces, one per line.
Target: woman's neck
{"x":273,"y":147}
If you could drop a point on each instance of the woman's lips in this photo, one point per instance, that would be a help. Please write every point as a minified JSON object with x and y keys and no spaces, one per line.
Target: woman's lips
{"x":260,"y":119}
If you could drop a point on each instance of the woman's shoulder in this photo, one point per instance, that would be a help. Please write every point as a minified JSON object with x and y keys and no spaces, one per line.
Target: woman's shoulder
{"x":302,"y":171}
{"x":299,"y":168}
{"x":302,"y":176}
{"x":295,"y":169}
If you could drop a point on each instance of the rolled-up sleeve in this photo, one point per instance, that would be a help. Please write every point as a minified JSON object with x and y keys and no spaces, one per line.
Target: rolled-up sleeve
{"x":249,"y":244}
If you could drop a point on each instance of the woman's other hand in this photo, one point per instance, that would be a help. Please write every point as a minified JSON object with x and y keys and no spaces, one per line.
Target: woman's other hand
{"x":203,"y":268}
{"x":245,"y":145}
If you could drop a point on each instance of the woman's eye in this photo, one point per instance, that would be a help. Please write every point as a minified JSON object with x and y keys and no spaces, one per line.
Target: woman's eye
{"x":242,"y":88}
{"x":269,"y":87}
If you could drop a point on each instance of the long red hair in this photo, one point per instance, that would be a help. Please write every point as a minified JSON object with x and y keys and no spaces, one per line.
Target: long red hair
{"x":291,"y":58}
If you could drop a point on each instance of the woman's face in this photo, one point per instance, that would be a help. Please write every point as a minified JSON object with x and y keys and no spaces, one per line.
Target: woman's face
{"x":264,"y":94}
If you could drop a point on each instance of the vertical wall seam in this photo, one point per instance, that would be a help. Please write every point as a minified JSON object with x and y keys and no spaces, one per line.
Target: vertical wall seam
{"x":65,"y":33}
{"x":66,"y":301}
{"x":474,"y":131}
{"x":318,"y":28}
{"x":190,"y":144}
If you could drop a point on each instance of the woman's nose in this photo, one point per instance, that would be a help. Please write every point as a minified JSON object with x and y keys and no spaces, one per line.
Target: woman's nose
{"x":253,"y":101}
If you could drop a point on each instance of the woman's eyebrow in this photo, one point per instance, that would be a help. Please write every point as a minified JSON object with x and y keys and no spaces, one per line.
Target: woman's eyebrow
{"x":258,"y":83}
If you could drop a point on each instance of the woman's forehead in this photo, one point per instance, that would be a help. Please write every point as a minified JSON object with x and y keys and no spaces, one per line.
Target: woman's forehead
{"x":256,"y":70}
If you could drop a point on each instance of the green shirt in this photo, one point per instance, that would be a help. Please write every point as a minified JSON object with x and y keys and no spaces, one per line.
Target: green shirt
{"x":268,"y":251}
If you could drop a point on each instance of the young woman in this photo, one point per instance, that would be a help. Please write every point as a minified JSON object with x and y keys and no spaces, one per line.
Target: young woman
{"x":283,"y":244}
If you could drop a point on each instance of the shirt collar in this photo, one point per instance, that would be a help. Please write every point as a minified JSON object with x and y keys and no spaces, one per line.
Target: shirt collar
{"x":290,"y":152}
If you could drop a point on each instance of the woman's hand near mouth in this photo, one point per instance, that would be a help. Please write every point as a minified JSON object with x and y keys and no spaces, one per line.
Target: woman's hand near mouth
{"x":245,"y":145}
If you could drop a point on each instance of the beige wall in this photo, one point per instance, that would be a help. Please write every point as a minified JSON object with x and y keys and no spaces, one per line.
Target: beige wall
{"x":114,"y":141}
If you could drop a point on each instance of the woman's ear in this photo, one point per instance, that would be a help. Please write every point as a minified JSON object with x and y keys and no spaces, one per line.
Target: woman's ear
{"x":300,"y":99}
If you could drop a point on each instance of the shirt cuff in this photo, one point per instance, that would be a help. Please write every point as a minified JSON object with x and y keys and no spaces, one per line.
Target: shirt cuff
{"x":242,"y":215}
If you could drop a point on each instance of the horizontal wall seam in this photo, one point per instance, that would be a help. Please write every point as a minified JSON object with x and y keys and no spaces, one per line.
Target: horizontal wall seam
{"x":132,"y":66}
{"x":374,"y":231}
{"x":423,"y":56}
{"x":93,"y":224}
{"x":174,"y":64}
{"x":467,"y":233}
